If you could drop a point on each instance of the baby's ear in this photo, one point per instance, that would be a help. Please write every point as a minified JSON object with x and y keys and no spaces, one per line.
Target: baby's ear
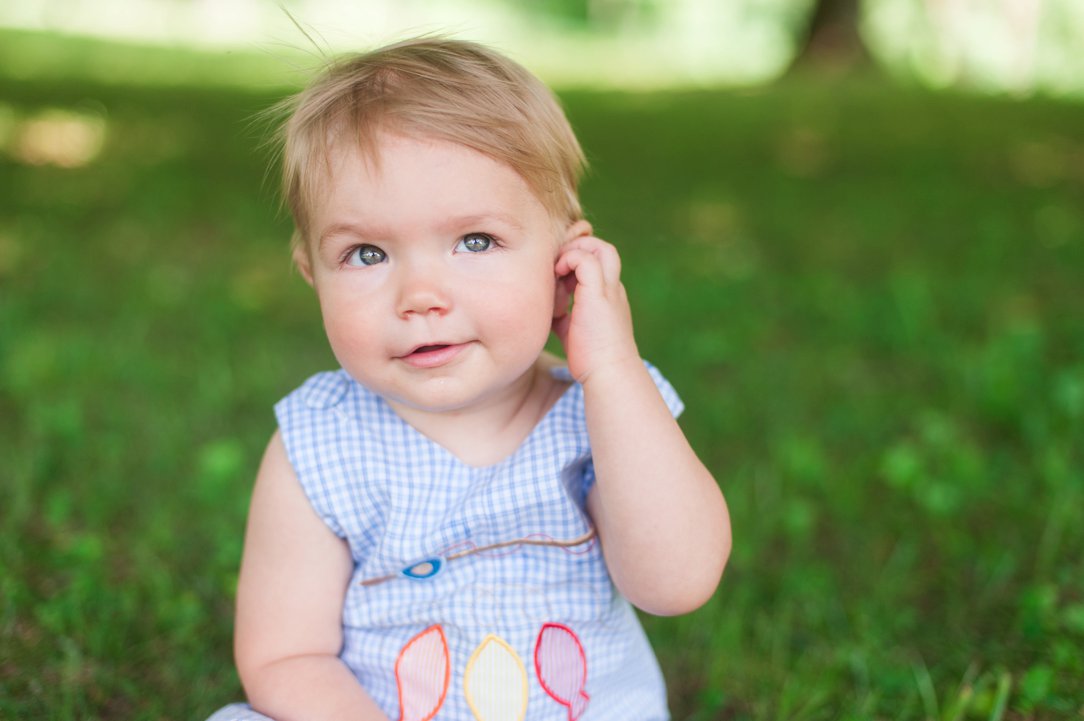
{"x":303,"y":261}
{"x":578,"y":229}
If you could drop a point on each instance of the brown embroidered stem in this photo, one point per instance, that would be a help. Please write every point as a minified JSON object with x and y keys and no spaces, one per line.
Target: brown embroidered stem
{"x":528,"y":541}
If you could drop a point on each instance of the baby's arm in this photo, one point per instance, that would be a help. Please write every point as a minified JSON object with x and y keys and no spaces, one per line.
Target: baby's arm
{"x":294,"y":575}
{"x":660,"y":515}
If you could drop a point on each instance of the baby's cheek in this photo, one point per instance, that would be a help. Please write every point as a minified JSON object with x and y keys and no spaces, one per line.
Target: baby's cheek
{"x":528,"y":296}
{"x":350,"y":337}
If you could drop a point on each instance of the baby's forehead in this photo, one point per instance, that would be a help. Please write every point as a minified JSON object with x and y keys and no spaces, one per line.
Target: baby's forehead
{"x":349,"y":147}
{"x":372,"y":153}
{"x":370,"y":146}
{"x":439,"y":177}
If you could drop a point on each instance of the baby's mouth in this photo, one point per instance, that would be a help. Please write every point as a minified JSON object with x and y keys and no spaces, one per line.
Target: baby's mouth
{"x":428,"y":348}
{"x":433,"y":355}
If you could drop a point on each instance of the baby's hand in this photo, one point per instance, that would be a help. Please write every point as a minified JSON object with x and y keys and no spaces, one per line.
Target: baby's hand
{"x":597,"y":332}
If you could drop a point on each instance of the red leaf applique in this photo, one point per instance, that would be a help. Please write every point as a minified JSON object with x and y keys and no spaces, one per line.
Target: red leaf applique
{"x":422,"y":672}
{"x":561,"y":666}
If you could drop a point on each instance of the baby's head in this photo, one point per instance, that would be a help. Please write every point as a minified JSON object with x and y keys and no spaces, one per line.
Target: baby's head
{"x":432,"y":184}
{"x":431,"y":88}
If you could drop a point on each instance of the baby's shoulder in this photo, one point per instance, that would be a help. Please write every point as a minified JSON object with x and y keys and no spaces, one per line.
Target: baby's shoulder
{"x":321,"y":391}
{"x":324,"y":400}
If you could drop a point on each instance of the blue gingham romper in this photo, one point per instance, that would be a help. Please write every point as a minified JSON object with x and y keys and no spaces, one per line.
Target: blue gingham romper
{"x":444,"y":618}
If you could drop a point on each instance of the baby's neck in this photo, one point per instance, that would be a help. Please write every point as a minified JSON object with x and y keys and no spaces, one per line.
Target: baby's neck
{"x":487,"y":434}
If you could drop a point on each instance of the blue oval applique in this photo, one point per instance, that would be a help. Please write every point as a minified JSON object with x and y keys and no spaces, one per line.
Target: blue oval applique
{"x":424,"y":569}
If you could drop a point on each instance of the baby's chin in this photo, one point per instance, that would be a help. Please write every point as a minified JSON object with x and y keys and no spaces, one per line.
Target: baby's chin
{"x":439,"y":397}
{"x":456,"y":395}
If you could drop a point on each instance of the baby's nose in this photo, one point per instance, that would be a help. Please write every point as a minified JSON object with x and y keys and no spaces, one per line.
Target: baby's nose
{"x":422,"y":290}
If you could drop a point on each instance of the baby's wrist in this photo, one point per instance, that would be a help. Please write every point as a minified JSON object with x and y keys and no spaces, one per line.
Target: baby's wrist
{"x":614,"y":372}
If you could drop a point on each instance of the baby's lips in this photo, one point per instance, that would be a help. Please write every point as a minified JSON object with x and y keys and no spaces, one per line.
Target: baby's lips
{"x":433,"y":355}
{"x":426,"y":347}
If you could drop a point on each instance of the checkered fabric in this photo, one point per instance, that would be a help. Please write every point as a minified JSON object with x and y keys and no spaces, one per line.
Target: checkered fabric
{"x":398,"y":499}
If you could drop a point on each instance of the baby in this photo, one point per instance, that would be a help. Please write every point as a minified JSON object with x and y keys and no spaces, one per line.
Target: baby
{"x":449,"y":526}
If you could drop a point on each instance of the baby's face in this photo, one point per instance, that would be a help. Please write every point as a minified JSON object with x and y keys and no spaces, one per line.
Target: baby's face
{"x":435,"y":273}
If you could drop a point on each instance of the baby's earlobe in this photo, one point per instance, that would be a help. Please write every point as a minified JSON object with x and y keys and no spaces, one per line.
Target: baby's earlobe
{"x":303,"y":263}
{"x":578,"y":229}
{"x":561,"y":298}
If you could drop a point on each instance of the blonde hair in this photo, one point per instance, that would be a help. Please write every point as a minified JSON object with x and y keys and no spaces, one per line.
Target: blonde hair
{"x":436,"y":88}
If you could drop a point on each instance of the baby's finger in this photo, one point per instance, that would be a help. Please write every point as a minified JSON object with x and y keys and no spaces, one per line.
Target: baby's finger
{"x":566,"y":286}
{"x":560,"y":327}
{"x":606,"y":254}
{"x":583,"y":265}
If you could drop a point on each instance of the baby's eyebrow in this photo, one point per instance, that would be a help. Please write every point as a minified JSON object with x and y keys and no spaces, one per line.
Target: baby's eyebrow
{"x":353,"y":229}
{"x":454,"y":224}
{"x":466,"y":221}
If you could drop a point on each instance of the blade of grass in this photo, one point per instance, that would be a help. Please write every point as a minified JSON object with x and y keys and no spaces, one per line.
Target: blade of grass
{"x":1004,"y":686}
{"x":926,"y":691}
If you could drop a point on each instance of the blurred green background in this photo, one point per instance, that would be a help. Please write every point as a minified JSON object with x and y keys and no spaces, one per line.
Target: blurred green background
{"x":853,"y":236}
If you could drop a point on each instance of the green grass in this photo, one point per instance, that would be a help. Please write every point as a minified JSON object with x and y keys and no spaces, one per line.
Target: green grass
{"x":868,"y":295}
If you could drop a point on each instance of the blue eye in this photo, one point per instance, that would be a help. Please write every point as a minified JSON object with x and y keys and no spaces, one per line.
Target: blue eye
{"x":366,"y":255}
{"x":475,"y":243}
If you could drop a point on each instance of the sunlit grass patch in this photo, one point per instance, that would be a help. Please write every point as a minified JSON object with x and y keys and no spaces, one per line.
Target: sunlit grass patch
{"x":63,"y":137}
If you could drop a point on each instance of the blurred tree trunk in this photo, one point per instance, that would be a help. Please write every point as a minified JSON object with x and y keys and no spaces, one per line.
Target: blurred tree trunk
{"x":832,"y":38}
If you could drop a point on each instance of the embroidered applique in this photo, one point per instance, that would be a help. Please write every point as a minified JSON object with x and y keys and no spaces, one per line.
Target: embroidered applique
{"x":495,"y":682}
{"x":422,"y":672}
{"x":561,"y":666}
{"x":424,"y":569}
{"x":430,"y":567}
